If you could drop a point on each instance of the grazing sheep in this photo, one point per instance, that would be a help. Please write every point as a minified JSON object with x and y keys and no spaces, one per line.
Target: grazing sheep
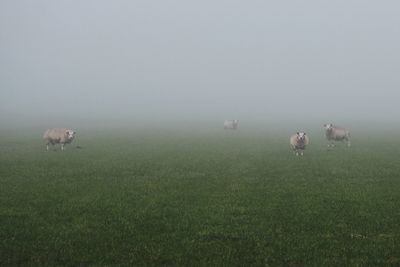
{"x":334,"y":133}
{"x":58,"y":136}
{"x":298,"y":143}
{"x":231,"y":124}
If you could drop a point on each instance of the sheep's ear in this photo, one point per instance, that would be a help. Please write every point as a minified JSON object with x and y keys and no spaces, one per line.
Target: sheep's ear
{"x":305,"y":134}
{"x":298,"y":133}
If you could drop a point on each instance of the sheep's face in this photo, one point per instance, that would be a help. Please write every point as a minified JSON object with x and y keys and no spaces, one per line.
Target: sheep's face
{"x":70,"y":134}
{"x":328,"y":126}
{"x":301,"y":136}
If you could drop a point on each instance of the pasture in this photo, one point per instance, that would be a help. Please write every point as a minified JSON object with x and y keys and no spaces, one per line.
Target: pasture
{"x":208,"y":198}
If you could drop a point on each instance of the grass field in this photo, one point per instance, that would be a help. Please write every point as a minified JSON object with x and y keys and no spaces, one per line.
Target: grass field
{"x":209,"y":198}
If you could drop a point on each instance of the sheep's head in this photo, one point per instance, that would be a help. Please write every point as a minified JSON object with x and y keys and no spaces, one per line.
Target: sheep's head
{"x":328,"y":126}
{"x":70,"y":134}
{"x":301,"y":136}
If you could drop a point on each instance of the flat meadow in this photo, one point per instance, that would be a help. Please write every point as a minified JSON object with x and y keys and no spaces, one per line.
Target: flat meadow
{"x":199,"y":198}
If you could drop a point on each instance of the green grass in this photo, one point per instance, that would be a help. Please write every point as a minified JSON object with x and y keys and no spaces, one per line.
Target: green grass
{"x":198,"y":199}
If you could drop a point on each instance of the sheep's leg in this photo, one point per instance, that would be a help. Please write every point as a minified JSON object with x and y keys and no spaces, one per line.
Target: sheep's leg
{"x":48,"y":145}
{"x":330,"y":143}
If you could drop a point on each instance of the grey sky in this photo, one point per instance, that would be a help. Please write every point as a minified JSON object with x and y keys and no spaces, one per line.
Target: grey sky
{"x":200,"y":58}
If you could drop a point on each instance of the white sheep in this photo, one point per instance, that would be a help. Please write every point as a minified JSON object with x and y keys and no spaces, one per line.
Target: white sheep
{"x":333,"y":133}
{"x":231,"y":124}
{"x":298,"y":143}
{"x":58,"y":136}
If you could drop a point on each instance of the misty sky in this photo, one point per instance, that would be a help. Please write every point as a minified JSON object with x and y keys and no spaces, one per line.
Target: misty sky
{"x":225,"y":59}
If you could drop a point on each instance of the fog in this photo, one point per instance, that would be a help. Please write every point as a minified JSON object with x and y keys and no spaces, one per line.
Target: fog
{"x":199,"y":60}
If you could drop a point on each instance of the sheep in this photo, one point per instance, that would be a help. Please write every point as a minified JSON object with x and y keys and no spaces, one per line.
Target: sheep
{"x":231,"y":124}
{"x":333,"y":133}
{"x":61,"y":136}
{"x":298,"y":143}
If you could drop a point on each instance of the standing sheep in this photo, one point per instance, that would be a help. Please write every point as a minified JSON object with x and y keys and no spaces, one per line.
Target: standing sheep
{"x":231,"y":124}
{"x":298,"y":143}
{"x":58,"y":136}
{"x":333,"y":133}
